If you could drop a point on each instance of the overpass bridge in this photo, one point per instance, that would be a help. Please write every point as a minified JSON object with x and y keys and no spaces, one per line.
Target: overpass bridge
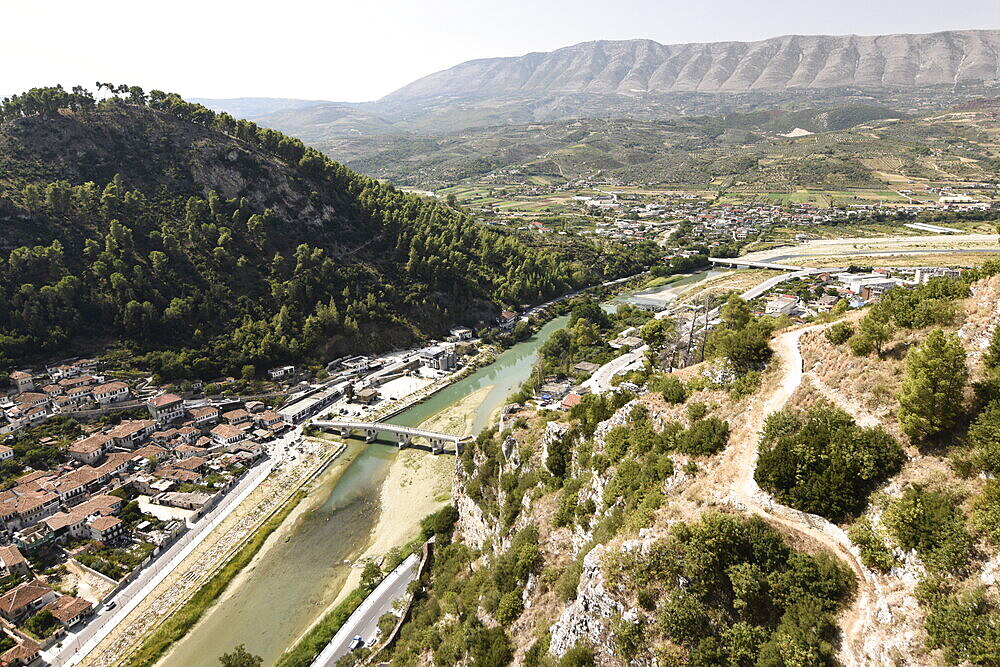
{"x":404,"y":435}
{"x":748,"y":264}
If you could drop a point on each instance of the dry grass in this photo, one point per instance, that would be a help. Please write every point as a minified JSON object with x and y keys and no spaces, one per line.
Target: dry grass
{"x":872,"y":382}
{"x":956,"y":258}
{"x":981,"y":318}
{"x":740,"y":281}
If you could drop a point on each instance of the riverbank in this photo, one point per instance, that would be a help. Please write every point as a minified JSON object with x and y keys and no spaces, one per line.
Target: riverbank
{"x":185,"y":595}
{"x":312,"y":494}
{"x":418,"y":484}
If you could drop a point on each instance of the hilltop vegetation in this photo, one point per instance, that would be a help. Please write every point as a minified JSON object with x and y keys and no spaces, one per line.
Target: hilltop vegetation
{"x":627,"y":530}
{"x":214,"y":244}
{"x":851,"y":147}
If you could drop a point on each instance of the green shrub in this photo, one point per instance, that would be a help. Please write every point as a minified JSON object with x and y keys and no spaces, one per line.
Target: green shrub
{"x":703,"y":437}
{"x":696,"y":411}
{"x":874,"y":551}
{"x":672,"y":389}
{"x":510,"y":607}
{"x":984,"y":437}
{"x":986,"y":512}
{"x":580,"y":655}
{"x":966,"y":627}
{"x":628,"y":637}
{"x":746,"y":349}
{"x":439,"y":525}
{"x":745,"y":385}
{"x":861,"y":345}
{"x":839,"y":333}
{"x":569,"y":580}
{"x":820,"y":461}
{"x":931,"y":523}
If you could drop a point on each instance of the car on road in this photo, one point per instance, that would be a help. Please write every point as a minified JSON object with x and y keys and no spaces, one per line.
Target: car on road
{"x":355,"y":643}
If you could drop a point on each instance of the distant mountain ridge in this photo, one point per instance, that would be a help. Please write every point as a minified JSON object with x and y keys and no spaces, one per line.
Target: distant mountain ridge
{"x":637,"y":67}
{"x":252,"y":107}
{"x":645,"y":81}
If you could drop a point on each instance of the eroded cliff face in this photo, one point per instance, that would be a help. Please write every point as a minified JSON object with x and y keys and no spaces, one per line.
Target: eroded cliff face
{"x":584,"y":615}
{"x":588,"y":617}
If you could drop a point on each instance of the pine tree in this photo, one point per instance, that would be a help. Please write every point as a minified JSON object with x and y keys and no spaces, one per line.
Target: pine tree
{"x":930,"y":400}
{"x":992,"y":357}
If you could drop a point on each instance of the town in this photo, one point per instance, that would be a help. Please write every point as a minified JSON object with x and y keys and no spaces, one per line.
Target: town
{"x":634,"y":215}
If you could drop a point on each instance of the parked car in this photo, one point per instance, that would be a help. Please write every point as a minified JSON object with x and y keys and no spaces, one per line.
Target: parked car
{"x":355,"y":643}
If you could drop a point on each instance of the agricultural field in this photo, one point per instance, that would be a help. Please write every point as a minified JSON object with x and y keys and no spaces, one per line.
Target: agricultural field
{"x":867,"y":158}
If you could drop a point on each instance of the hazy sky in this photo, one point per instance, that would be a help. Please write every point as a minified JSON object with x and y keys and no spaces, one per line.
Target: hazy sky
{"x":361,"y":50}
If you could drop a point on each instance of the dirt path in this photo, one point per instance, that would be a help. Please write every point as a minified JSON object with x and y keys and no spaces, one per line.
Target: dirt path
{"x":745,"y":495}
{"x":862,"y":416}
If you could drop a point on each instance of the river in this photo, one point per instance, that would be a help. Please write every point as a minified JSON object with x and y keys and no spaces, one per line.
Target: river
{"x":302,"y":567}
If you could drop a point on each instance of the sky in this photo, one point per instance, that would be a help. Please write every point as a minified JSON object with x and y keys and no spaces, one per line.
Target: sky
{"x":363,"y":49}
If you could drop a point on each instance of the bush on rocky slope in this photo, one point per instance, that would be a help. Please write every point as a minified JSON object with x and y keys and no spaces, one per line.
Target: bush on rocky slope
{"x":820,"y":461}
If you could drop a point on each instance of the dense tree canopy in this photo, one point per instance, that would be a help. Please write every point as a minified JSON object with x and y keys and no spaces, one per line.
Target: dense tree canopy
{"x":300,"y":258}
{"x":729,"y":591}
{"x":820,"y":461}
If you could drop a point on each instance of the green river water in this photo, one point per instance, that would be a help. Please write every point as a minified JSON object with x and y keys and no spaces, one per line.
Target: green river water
{"x":302,"y":569}
{"x":297,"y":575}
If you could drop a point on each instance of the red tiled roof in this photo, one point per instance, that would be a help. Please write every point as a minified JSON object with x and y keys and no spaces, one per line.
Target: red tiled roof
{"x":90,"y":444}
{"x":103,"y":523}
{"x":109,"y":387}
{"x":20,"y":597}
{"x":192,"y":463}
{"x":27,"y":649}
{"x":128,"y":428}
{"x":164,"y":399}
{"x":11,"y":556}
{"x":226,"y":431}
{"x":66,"y":607}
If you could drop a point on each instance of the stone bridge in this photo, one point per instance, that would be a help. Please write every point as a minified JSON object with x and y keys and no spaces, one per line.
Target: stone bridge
{"x":403,"y":434}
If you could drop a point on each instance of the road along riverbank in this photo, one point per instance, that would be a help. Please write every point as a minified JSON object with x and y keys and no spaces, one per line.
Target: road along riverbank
{"x":305,"y":568}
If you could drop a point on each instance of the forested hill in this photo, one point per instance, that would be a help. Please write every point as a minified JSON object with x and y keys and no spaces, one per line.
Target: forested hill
{"x":213,"y":244}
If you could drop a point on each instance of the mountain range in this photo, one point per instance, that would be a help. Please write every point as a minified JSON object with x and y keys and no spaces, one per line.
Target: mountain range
{"x":638,"y":67}
{"x":648,"y":80}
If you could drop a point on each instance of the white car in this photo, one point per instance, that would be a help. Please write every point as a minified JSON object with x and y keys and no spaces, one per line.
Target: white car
{"x":355,"y":643}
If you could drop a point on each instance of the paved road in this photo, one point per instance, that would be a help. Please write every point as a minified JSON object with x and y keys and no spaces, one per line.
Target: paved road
{"x":364,"y":620}
{"x":77,"y":644}
{"x":600,"y":381}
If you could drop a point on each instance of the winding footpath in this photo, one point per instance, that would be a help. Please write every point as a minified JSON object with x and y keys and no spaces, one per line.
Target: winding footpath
{"x":746,"y":496}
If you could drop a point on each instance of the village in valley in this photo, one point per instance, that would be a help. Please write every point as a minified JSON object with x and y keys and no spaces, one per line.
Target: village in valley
{"x":104,"y":474}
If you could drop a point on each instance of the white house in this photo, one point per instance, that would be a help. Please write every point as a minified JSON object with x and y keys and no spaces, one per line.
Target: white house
{"x":783,"y":304}
{"x":226,"y":434}
{"x":165,"y":408}
{"x":280,"y":372}
{"x":110,"y":392}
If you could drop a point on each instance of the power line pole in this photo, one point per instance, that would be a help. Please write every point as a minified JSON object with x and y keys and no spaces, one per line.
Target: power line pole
{"x":704,"y":336}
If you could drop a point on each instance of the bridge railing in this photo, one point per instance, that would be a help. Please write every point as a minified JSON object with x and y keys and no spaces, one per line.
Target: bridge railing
{"x":390,"y":428}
